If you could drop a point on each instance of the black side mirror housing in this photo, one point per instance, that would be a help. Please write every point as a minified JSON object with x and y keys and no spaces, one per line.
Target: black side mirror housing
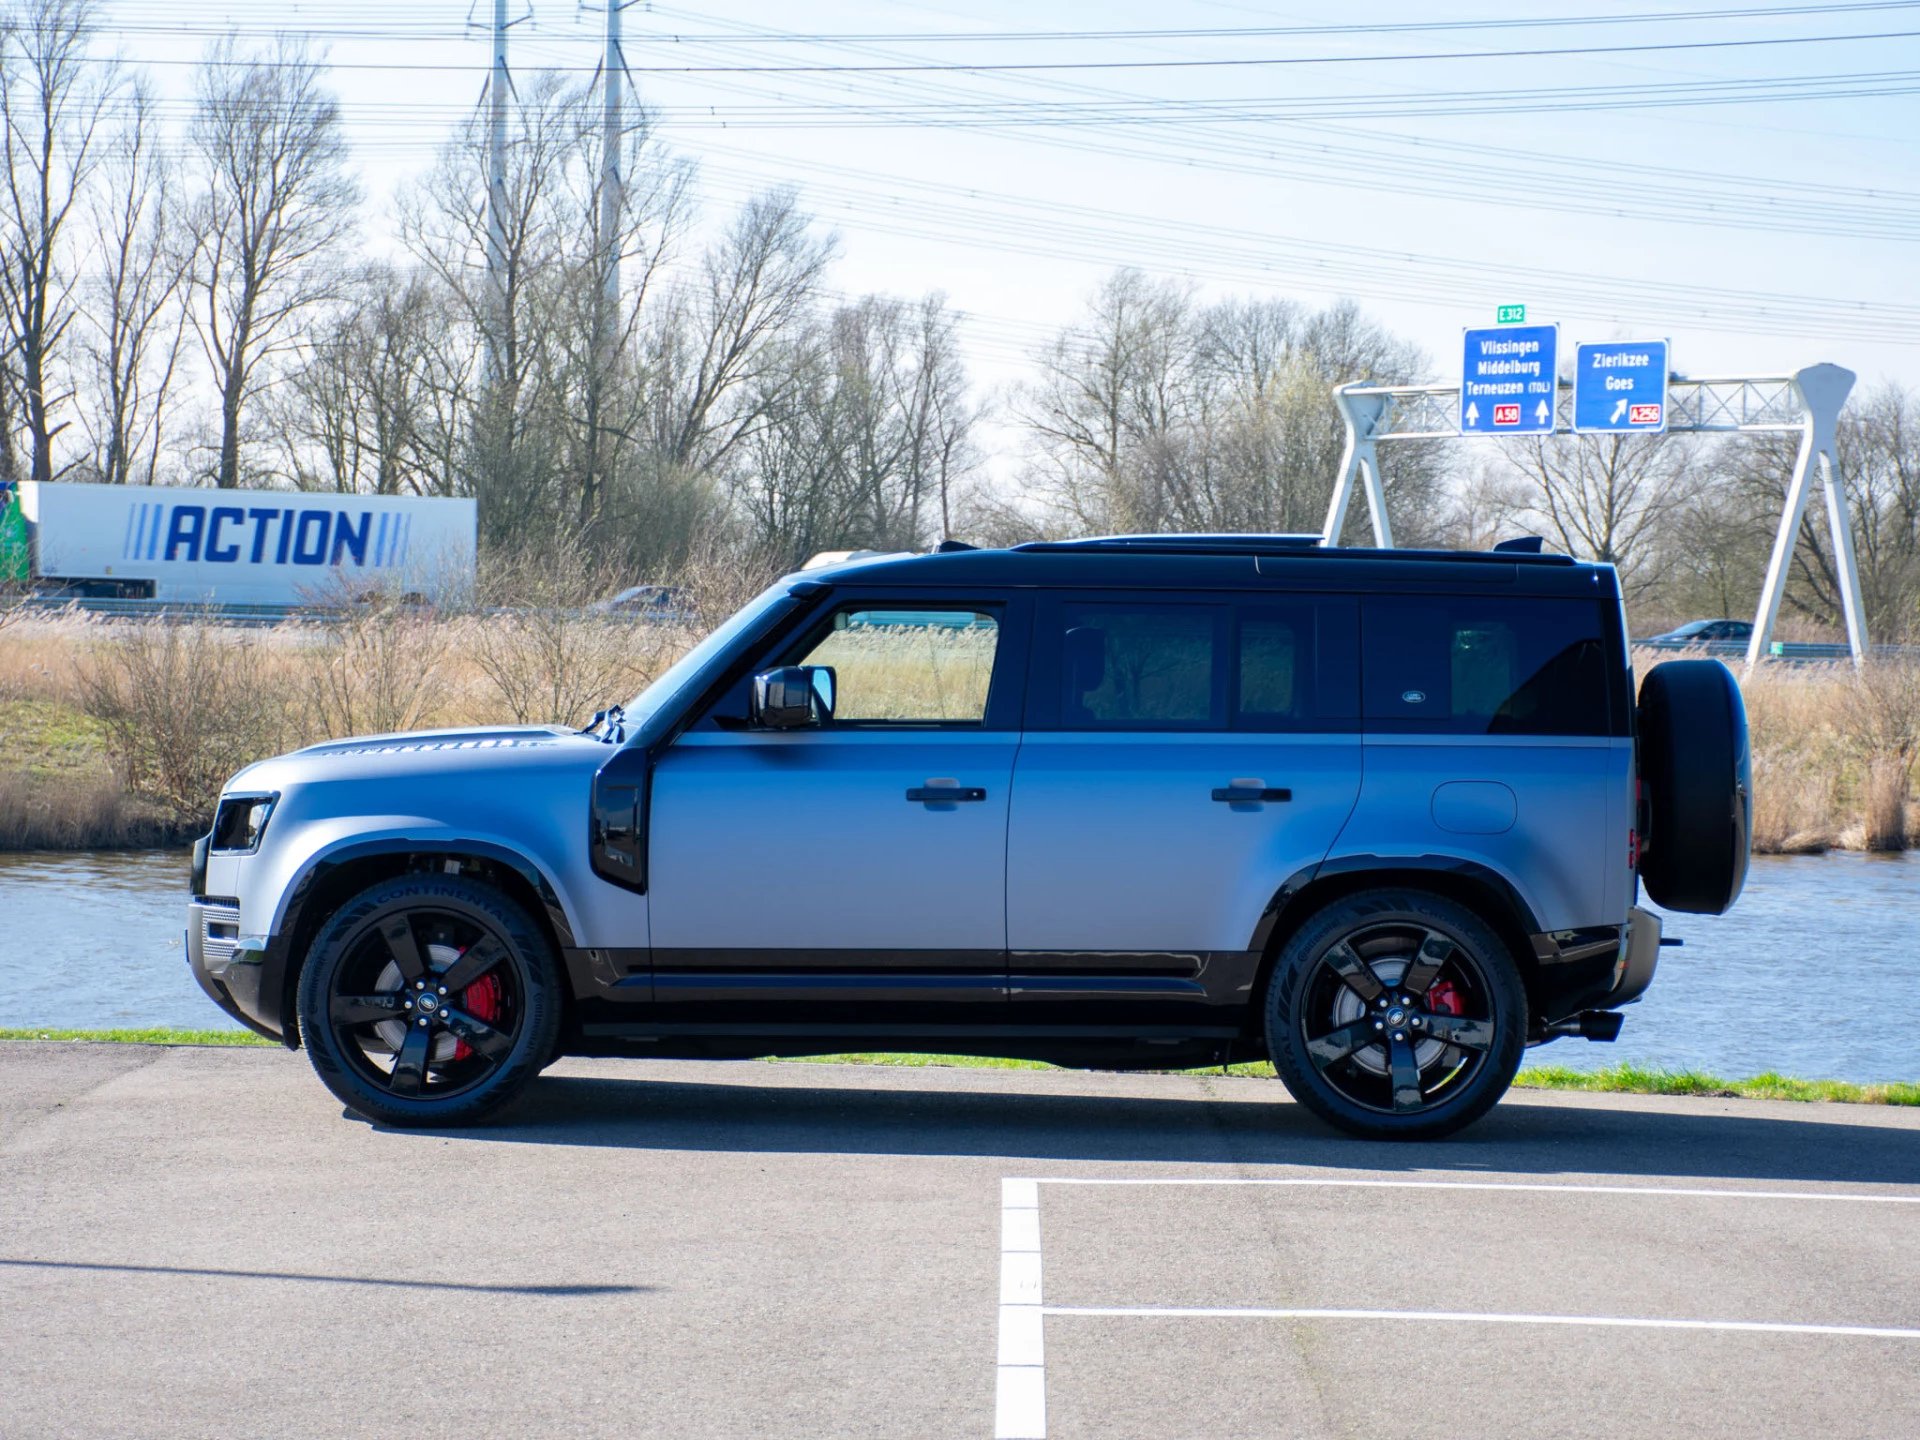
{"x":793,"y":697}
{"x":618,"y":820}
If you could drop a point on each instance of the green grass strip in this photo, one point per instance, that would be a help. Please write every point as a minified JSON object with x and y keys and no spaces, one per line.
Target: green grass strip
{"x":1614,"y":1080}
{"x":1638,"y":1080}
{"x":155,"y":1036}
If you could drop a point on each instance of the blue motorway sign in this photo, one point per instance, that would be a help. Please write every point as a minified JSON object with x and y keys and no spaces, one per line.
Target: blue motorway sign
{"x":1509,"y":380}
{"x":1620,"y":387}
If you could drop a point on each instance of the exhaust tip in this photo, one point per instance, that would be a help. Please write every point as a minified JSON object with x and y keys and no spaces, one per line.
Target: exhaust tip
{"x":1603,"y":1025}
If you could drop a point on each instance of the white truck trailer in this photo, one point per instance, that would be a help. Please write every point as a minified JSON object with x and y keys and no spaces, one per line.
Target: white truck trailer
{"x":237,"y":547}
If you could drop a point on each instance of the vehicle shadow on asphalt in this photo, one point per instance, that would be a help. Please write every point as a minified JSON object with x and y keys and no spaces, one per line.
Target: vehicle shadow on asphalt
{"x":1520,"y":1136}
{"x":554,"y":1291}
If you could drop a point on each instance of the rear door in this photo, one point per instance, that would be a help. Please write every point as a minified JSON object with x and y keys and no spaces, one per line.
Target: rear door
{"x":1496,"y":733}
{"x":1184,"y":755}
{"x":856,"y":872}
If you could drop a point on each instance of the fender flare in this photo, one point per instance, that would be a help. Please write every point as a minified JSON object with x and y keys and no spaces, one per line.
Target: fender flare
{"x":1343,"y":865}
{"x":279,"y":971}
{"x":346,"y":852}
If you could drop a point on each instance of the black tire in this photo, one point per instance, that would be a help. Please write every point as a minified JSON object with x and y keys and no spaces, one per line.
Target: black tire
{"x":403,"y":1049}
{"x":1461,"y":1032}
{"x":1696,"y":775}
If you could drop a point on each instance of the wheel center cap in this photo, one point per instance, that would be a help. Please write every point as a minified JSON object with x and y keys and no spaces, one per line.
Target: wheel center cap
{"x":1396,"y":1016}
{"x":429,"y":1003}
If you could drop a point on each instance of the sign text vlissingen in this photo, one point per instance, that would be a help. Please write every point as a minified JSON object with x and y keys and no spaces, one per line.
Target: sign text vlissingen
{"x":1620,"y":387}
{"x":1509,"y":380}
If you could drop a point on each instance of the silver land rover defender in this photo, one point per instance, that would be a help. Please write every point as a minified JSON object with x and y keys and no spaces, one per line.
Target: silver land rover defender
{"x":1380,"y":816}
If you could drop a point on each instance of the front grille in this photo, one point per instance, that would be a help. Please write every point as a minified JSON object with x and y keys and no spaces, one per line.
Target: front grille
{"x":219,"y":932}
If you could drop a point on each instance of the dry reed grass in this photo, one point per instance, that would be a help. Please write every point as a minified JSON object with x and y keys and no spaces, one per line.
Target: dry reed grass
{"x":113,"y":733}
{"x":88,"y":814}
{"x":1834,"y":753}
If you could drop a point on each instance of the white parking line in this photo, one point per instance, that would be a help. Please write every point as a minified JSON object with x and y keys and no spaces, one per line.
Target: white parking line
{"x":1020,"y":1395}
{"x":1620,"y":1322}
{"x":1520,"y":1185}
{"x":1020,"y":1388}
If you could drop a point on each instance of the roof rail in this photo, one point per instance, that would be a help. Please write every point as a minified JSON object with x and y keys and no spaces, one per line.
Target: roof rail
{"x":1269,"y":547}
{"x":1176,"y":544}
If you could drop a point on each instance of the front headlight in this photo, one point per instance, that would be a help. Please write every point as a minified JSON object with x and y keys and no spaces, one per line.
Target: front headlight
{"x":239,"y":822}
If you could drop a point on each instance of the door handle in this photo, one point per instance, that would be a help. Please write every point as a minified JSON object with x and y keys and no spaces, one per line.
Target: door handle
{"x":946,"y":794}
{"x":1250,"y":792}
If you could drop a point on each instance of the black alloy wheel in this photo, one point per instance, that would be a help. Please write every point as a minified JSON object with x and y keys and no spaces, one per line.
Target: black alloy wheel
{"x":1396,"y":1014}
{"x":429,"y":1000}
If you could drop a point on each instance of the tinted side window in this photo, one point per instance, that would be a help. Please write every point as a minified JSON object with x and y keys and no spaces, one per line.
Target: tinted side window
{"x":908,"y":665}
{"x":1463,"y":665}
{"x":1145,"y":666}
{"x":1295,"y":667}
{"x":1272,"y":664}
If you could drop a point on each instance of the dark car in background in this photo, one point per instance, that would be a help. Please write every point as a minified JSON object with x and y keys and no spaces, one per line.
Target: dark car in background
{"x":666,"y":604}
{"x":1704,"y":635}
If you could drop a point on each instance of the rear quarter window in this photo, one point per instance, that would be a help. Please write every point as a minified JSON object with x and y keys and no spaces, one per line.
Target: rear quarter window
{"x":1465,"y":665}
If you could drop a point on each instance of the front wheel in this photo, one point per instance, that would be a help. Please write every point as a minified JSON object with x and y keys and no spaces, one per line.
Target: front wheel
{"x":1396,"y":1015}
{"x":429,"y":1000}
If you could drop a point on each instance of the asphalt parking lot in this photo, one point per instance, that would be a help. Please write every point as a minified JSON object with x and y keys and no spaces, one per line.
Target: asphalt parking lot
{"x":199,"y":1243}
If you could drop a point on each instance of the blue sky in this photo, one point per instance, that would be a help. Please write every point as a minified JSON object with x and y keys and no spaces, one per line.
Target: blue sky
{"x":1758,"y":236}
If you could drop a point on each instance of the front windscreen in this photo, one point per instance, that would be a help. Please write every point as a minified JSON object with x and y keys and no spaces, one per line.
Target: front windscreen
{"x":676,"y":677}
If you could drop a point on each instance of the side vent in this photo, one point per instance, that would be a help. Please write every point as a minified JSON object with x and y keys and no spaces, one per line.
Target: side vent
{"x":617,"y":843}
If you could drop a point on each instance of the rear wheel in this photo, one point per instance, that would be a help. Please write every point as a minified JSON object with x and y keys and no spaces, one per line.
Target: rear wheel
{"x":1396,"y":1014}
{"x":429,"y":1000}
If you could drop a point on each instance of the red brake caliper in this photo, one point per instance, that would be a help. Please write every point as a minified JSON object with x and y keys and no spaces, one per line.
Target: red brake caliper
{"x":482,"y":1001}
{"x":1443,"y":999}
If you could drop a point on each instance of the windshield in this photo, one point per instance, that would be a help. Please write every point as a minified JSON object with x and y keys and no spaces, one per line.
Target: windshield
{"x":655,"y":698}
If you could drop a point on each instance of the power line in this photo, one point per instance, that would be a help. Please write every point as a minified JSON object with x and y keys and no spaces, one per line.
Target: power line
{"x":1550,"y":183}
{"x":404,"y":31}
{"x":986,"y":67}
{"x":1395,"y":276}
{"x":1262,"y":61}
{"x":1158,"y":111}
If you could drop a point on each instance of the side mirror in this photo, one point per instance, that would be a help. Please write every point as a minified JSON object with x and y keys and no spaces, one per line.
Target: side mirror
{"x":793,"y":697}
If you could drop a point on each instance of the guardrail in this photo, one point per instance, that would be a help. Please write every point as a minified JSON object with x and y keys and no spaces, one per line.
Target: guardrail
{"x":1803,"y":652}
{"x":259,"y":615}
{"x":126,"y":609}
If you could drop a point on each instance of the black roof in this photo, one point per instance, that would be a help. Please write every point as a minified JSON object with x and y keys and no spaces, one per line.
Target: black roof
{"x":1223,"y":562}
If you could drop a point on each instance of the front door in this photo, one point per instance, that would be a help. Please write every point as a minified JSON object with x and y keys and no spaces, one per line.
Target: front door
{"x":1185,"y":756}
{"x":853,"y":873}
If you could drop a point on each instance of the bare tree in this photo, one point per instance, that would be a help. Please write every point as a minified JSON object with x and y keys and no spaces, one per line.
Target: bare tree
{"x":1159,"y":414}
{"x":274,"y":201}
{"x":864,"y":432}
{"x":136,"y":324}
{"x":51,"y":101}
{"x":1878,"y":447}
{"x":945,"y":456}
{"x":714,"y":361}
{"x":1608,"y":499}
{"x":443,"y":222}
{"x":1112,"y":395}
{"x":604,"y":310}
{"x":362,"y":412}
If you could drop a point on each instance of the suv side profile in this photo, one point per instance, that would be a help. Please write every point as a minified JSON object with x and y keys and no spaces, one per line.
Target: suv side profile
{"x":1380,"y":816}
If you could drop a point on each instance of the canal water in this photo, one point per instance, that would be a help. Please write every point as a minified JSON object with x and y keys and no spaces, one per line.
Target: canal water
{"x":1816,"y":972}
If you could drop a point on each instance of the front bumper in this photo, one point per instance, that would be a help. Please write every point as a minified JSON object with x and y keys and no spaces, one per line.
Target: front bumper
{"x":241,"y":974}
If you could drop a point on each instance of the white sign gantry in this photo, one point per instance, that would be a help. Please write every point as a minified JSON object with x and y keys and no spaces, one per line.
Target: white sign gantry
{"x":1806,"y":402}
